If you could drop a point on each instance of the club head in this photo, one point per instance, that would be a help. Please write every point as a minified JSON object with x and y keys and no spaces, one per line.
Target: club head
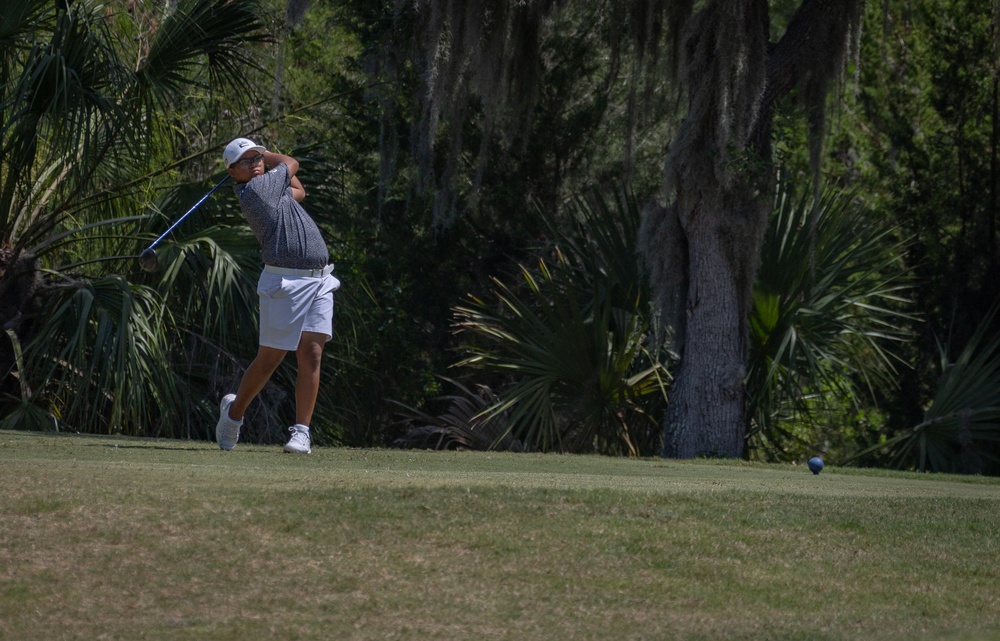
{"x":147,"y":259}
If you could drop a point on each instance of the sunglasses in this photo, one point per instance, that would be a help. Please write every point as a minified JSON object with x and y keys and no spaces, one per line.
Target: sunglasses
{"x":247,"y":163}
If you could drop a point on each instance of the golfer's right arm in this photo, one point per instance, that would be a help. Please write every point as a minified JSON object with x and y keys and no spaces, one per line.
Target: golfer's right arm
{"x":298,"y":191}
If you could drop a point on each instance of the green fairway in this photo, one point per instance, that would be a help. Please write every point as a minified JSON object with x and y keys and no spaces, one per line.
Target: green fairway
{"x":117,"y":538}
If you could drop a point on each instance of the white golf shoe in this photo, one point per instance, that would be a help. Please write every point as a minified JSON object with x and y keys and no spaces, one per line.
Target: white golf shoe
{"x":300,"y":442}
{"x":227,"y":431}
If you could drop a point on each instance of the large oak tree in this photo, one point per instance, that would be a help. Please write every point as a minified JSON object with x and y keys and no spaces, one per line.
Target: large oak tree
{"x":704,"y":242}
{"x":701,"y":238}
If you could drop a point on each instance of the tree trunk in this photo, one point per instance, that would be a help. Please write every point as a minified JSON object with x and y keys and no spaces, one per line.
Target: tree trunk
{"x":706,"y":414}
{"x":718,"y":176}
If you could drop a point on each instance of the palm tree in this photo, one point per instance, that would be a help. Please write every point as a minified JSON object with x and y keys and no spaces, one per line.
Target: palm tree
{"x":85,"y":136}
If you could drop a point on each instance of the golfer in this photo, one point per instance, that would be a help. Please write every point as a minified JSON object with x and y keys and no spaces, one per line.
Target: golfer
{"x":295,"y":288}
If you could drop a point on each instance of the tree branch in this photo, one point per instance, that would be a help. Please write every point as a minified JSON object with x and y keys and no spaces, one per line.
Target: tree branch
{"x":812,"y":47}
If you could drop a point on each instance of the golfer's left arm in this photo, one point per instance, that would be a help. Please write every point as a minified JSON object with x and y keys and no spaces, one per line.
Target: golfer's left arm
{"x":272,"y":159}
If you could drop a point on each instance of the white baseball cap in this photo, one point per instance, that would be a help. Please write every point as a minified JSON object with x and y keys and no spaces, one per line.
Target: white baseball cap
{"x":237,"y":148}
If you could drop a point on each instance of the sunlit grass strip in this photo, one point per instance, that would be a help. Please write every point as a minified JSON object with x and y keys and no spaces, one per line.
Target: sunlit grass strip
{"x":129,"y":538}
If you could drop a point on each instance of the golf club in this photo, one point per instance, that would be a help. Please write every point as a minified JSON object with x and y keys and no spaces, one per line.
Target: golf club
{"x":147,"y":259}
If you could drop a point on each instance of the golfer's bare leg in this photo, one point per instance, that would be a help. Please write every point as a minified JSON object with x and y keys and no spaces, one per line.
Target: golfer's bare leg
{"x":254,"y":379}
{"x":309,"y":356}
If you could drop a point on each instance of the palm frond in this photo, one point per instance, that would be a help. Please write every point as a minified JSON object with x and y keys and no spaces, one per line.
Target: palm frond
{"x":214,"y":31}
{"x":210,"y":279}
{"x":571,"y":339}
{"x":960,"y":432}
{"x":826,"y":314}
{"x":60,"y":116}
{"x":25,"y":415}
{"x":464,"y":423}
{"x":19,"y":19}
{"x":98,"y":351}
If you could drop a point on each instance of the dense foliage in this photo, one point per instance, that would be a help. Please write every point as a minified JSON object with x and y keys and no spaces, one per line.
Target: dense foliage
{"x":113,"y":117}
{"x":88,"y":94}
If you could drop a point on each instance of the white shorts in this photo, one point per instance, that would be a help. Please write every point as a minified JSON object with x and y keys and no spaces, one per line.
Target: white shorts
{"x":290,"y":305}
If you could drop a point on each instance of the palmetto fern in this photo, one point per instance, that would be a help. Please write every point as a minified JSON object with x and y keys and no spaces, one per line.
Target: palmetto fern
{"x":96,"y":356}
{"x":84,"y":134}
{"x":960,"y":432}
{"x":465,"y":423}
{"x":827,"y":310}
{"x":573,"y":341}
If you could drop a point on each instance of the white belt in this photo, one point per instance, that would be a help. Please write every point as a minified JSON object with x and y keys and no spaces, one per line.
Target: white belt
{"x":307,"y":273}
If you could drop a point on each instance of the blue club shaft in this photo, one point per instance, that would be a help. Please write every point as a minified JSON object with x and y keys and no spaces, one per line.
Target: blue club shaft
{"x":187,"y":213}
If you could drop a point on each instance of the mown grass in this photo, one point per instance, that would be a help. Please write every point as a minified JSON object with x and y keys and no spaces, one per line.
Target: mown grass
{"x":115,"y":538}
